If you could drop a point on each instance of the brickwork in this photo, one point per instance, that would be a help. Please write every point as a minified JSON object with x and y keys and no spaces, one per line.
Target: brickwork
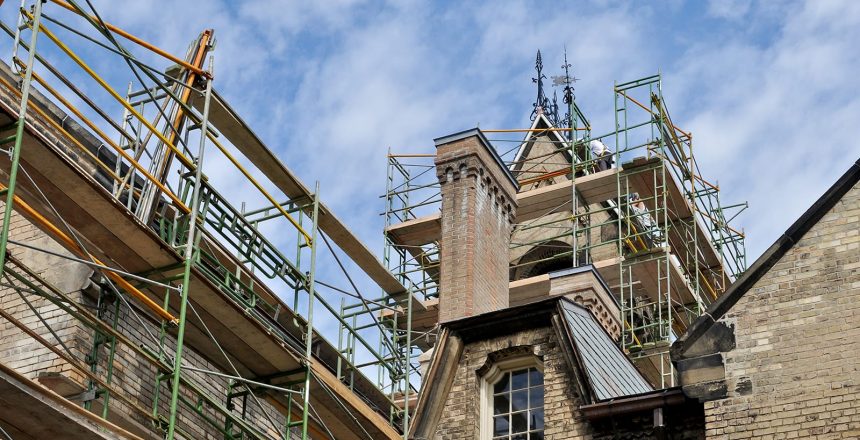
{"x":585,"y":290}
{"x":17,"y":349}
{"x":478,"y":208}
{"x":132,"y":373}
{"x":460,"y":419}
{"x":794,"y":372}
{"x":563,"y":419}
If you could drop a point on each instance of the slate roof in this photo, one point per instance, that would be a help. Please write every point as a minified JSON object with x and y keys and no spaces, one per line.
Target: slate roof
{"x":609,"y":372}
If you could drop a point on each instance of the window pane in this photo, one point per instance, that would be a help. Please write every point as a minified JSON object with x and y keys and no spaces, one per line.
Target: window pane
{"x":500,"y":425}
{"x":536,"y":397}
{"x":520,"y":379}
{"x":501,"y":404}
{"x":502,"y":384}
{"x":535,"y":377}
{"x":519,"y":400}
{"x":536,"y":419}
{"x":519,"y":422}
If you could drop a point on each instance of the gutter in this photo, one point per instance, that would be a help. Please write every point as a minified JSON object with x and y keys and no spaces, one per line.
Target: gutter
{"x":634,"y":404}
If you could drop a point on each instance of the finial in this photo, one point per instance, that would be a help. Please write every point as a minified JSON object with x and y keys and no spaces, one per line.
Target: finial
{"x":541,"y":104}
{"x":553,"y":114}
{"x":567,"y":93}
{"x":568,"y":81}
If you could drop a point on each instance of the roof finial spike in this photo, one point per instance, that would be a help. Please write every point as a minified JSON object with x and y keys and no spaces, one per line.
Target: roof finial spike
{"x":541,"y":104}
{"x":568,"y":81}
{"x":567,"y":95}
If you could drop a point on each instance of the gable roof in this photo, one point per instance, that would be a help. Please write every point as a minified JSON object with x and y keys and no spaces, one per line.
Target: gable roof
{"x":609,"y":372}
{"x":767,"y":260}
{"x":541,"y":121}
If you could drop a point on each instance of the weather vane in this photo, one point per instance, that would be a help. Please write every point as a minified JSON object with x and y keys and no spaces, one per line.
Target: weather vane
{"x":567,"y":81}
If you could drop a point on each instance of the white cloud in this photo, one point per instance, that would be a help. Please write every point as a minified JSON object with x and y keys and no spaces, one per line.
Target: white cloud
{"x":770,"y":93}
{"x":775,"y":122}
{"x":729,"y":9}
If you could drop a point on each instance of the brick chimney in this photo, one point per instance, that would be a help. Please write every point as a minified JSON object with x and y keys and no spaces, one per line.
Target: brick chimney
{"x":478,"y":208}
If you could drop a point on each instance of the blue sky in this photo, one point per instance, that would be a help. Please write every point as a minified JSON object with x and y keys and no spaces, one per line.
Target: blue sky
{"x":768,"y":89}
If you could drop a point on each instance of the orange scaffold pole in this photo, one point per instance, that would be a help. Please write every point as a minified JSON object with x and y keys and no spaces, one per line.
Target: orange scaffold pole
{"x":70,"y":244}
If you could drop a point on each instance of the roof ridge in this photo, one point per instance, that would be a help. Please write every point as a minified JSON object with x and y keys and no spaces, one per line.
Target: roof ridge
{"x":767,"y":260}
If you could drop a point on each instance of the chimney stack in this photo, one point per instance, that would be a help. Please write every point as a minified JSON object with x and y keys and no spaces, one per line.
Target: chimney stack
{"x":478,"y":208}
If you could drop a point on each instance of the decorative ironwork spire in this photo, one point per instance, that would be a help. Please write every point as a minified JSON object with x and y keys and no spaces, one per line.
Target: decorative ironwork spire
{"x":541,"y":104}
{"x":567,"y":94}
{"x":553,"y":113}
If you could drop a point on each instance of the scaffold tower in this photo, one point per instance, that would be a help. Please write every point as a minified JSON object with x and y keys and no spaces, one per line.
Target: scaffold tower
{"x":197,"y":323}
{"x":631,"y":203}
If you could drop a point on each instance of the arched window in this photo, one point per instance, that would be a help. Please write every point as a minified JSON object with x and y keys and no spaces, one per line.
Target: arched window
{"x":544,"y":258}
{"x":513,"y":400}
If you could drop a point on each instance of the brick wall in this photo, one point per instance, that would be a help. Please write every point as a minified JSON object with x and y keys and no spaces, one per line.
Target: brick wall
{"x":17,"y":349}
{"x":132,"y":374}
{"x":460,"y":418}
{"x":478,"y":207}
{"x":795,"y":371}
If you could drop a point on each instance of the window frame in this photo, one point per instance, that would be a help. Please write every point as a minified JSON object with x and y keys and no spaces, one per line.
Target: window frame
{"x":492,"y":376}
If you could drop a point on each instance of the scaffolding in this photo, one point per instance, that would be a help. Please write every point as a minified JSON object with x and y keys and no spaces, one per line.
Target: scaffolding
{"x":642,"y":215}
{"x":184,"y":271}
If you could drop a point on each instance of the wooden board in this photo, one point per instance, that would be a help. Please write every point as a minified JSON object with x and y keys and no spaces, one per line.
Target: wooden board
{"x":598,"y":187}
{"x":125,"y":242}
{"x":417,"y":232}
{"x":101,"y":221}
{"x":29,"y":411}
{"x":645,"y":276}
{"x":232,"y":127}
{"x":544,"y":200}
{"x":645,"y":282}
{"x":533,"y":204}
{"x":709,"y":261}
{"x":644,"y":176}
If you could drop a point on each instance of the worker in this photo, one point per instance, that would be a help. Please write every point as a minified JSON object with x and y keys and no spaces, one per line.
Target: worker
{"x":648,"y":229}
{"x":601,"y":155}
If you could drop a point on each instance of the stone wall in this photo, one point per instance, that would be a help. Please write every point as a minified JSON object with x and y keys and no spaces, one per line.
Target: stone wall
{"x":18,"y":350}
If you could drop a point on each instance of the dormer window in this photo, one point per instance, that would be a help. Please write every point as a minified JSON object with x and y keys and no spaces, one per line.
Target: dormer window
{"x":514,"y":395}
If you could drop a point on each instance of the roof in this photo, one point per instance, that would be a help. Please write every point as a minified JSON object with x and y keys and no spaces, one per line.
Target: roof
{"x":523,"y":151}
{"x":504,"y":321}
{"x":609,"y":372}
{"x":767,"y":260}
{"x":585,"y":268}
